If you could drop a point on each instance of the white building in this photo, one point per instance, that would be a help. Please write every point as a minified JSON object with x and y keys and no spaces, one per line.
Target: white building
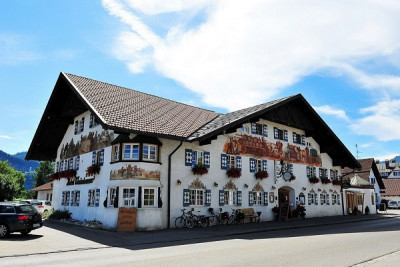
{"x":115,"y":147}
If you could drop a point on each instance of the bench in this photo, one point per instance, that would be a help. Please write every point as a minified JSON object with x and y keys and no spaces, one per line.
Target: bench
{"x":249,"y":214}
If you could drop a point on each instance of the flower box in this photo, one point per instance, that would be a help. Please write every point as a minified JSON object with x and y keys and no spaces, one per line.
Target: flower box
{"x":199,"y":169}
{"x":261,"y":175}
{"x":337,"y":182}
{"x":325,"y":181}
{"x":93,"y":169}
{"x":314,"y":180}
{"x":234,"y":173}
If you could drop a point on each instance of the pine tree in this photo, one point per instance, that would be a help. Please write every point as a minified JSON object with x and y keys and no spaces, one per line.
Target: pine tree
{"x":43,"y":172}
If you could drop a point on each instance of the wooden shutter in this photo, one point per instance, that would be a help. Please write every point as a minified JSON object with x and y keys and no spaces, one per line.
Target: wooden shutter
{"x":309,"y":198}
{"x":78,"y":159}
{"x":251,"y":198}
{"x":102,"y":157}
{"x":188,"y":157}
{"x":316,"y":198}
{"x":331,"y":173}
{"x":224,"y":162}
{"x":93,"y":157}
{"x":276,"y":133}
{"x":68,"y":198}
{"x":186,"y":197}
{"x":291,"y":168}
{"x":239,"y":162}
{"x":338,"y":199}
{"x":294,"y":138}
{"x":77,"y":197}
{"x":285,"y":135}
{"x":265,"y":130}
{"x":327,"y":199}
{"x":62,"y":199}
{"x":320,"y":173}
{"x":239,"y":198}
{"x":207,"y":159}
{"x":97,"y":197}
{"x":303,"y":140}
{"x":252,"y":165}
{"x":314,"y":171}
{"x":308,"y":171}
{"x":140,"y":197}
{"x":265,"y":198}
{"x":71,"y":163}
{"x":207,"y":202}
{"x":88,"y":199}
{"x":254,"y":128}
{"x":160,"y":204}
{"x":116,"y":200}
{"x":221,"y":195}
{"x":265,"y":165}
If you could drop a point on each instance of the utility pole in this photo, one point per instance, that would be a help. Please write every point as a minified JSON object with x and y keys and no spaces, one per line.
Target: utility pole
{"x":357,"y":152}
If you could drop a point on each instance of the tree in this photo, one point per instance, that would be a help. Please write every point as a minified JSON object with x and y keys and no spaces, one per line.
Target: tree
{"x":43,"y":172}
{"x":11,"y":182}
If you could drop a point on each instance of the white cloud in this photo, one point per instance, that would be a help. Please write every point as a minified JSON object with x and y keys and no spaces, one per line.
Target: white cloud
{"x":259,"y":47}
{"x":380,"y":121}
{"x":328,"y":110}
{"x":6,"y":137}
{"x":13,"y":50}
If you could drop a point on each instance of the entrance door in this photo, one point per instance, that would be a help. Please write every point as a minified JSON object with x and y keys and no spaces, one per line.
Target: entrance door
{"x":284,"y":205}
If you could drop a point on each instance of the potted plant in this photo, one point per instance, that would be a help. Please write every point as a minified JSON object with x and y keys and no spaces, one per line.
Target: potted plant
{"x":292,"y":178}
{"x":337,"y":182}
{"x":93,"y":169}
{"x":301,"y":210}
{"x":234,"y":173}
{"x":314,"y":180}
{"x":275,"y":210}
{"x":261,"y":175}
{"x":199,"y":169}
{"x":325,"y":181}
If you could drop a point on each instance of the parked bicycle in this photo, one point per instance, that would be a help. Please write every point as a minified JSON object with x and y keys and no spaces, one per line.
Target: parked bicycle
{"x":198,"y":220}
{"x":218,"y":218}
{"x":184,"y":220}
{"x":236,"y":217}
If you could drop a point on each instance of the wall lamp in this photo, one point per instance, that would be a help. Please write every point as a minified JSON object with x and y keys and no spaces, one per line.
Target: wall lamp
{"x":246,"y":185}
{"x":179,"y":182}
{"x":215,"y":184}
{"x":304,"y":189}
{"x":273,"y":187}
{"x":319,"y":190}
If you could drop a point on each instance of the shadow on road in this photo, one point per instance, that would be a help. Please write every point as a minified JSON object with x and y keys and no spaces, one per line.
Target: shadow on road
{"x":267,"y":230}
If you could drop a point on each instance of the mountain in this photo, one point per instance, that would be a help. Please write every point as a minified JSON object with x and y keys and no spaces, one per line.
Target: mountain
{"x":18,"y":162}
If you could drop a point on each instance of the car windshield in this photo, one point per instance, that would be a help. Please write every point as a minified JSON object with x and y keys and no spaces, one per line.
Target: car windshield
{"x":25,"y":209}
{"x":36,"y":203}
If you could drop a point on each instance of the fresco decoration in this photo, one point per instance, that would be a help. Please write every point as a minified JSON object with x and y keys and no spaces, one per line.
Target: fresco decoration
{"x":91,"y":142}
{"x":243,"y":144}
{"x":129,"y":172}
{"x":197,"y":184}
{"x":258,"y":187}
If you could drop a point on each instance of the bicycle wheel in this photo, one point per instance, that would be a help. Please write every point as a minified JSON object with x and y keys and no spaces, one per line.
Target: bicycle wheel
{"x":203,"y":222}
{"x":212,"y":220}
{"x":180,"y":222}
{"x":189,"y":223}
{"x":223,"y":220}
{"x":231,"y":219}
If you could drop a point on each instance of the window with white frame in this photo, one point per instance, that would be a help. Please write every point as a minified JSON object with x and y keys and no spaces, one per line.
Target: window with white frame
{"x":76,"y":130}
{"x":198,"y":157}
{"x":128,"y":198}
{"x":92,"y":197}
{"x":65,"y":198}
{"x":130,"y":152}
{"x":259,"y":165}
{"x":149,"y":197}
{"x":333,"y":199}
{"x":231,"y":161}
{"x":313,"y":172}
{"x":229,"y":197}
{"x":149,"y":152}
{"x":258,"y":197}
{"x":92,"y":121}
{"x":244,"y":129}
{"x":82,"y":125}
{"x":112,"y":197}
{"x":311,"y":198}
{"x":196,"y":197}
{"x":372,"y":180}
{"x":75,"y":198}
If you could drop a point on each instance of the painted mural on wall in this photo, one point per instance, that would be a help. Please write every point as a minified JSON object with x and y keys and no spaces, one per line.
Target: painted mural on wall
{"x":134,"y":173}
{"x":242,"y":144}
{"x":92,"y":141}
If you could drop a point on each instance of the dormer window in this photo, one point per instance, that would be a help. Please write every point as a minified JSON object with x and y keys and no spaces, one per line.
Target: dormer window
{"x":139,"y":148}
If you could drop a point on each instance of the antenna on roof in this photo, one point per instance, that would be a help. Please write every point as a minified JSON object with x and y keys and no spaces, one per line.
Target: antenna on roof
{"x":357,"y":151}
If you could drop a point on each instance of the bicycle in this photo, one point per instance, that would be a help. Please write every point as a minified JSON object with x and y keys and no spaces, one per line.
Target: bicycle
{"x":184,"y":220}
{"x":218,"y":218}
{"x":198,"y":220}
{"x":236,"y":217}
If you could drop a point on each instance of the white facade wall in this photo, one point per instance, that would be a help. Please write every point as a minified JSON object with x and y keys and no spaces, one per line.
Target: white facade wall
{"x":156,"y":218}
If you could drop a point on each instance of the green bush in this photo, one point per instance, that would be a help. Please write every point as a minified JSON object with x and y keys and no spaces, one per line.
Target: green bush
{"x":60,"y":214}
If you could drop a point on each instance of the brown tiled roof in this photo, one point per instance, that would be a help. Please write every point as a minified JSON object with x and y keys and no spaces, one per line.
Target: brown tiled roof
{"x":364,"y":172}
{"x":48,"y":186}
{"x":135,"y":111}
{"x":392,"y":187}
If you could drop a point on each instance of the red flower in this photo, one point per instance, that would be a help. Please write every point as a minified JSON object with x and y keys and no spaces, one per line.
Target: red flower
{"x":234,"y":173}
{"x":314,"y":180}
{"x":199,"y":169}
{"x":261,"y":174}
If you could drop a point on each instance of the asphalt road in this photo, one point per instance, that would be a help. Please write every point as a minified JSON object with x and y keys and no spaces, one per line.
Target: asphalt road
{"x":365,"y":242}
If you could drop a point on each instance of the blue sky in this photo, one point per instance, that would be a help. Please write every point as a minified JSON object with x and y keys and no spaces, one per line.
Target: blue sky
{"x":221,"y":55}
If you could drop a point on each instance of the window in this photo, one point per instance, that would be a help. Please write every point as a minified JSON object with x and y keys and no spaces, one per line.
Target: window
{"x":131,"y":151}
{"x":92,"y":121}
{"x":196,"y":197}
{"x":149,"y":197}
{"x":198,"y":157}
{"x":333,"y":199}
{"x":115,"y":153}
{"x":229,"y":197}
{"x":75,"y":197}
{"x":149,"y":152}
{"x":258,"y":197}
{"x":76,"y":130}
{"x":259,"y":165}
{"x":280,"y":134}
{"x":112,"y":197}
{"x":311,"y":198}
{"x":313,"y":172}
{"x":298,"y":139}
{"x":231,"y":161}
{"x":82,"y":125}
{"x":128,"y":197}
{"x":259,"y":129}
{"x":65,"y":198}
{"x":92,"y":197}
{"x":372,"y":180}
{"x":244,"y":129}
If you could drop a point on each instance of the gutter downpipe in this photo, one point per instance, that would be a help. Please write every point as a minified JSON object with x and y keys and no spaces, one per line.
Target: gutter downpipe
{"x":169,"y":184}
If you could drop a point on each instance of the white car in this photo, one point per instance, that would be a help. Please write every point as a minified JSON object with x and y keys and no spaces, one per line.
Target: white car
{"x":42,"y":206}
